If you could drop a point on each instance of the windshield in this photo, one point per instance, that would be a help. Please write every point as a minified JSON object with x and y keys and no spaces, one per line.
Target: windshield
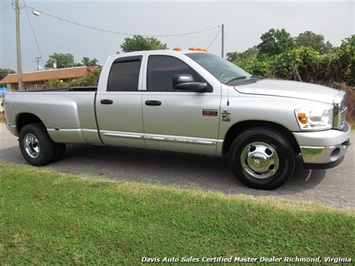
{"x":220,"y":68}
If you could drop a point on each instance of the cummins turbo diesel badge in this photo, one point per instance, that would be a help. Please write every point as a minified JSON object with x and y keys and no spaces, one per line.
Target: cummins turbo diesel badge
{"x":226,"y":116}
{"x":210,"y":112}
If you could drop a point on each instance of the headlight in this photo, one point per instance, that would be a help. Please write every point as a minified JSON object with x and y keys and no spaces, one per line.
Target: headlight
{"x":315,"y":117}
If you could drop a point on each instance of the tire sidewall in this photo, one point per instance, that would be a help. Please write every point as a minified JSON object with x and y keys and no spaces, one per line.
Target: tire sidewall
{"x":46,"y":151}
{"x":279,"y":143}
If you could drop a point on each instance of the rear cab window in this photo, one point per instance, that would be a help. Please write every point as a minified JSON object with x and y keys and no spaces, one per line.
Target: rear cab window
{"x":124,"y":74}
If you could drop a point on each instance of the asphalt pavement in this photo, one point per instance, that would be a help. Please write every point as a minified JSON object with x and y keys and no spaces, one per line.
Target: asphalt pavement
{"x":334,"y":187}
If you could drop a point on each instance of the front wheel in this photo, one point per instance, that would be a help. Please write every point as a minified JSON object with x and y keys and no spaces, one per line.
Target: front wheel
{"x":35,"y":144}
{"x":262,"y":158}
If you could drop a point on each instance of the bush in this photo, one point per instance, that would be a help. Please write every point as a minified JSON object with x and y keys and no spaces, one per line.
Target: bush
{"x":89,"y":80}
{"x":335,"y":69}
{"x":301,"y":64}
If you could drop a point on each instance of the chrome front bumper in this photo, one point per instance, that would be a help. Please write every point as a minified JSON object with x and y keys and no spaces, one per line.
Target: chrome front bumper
{"x":324,"y":149}
{"x":324,"y":157}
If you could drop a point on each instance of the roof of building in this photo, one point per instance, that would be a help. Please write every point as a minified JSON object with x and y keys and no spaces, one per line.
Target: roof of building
{"x":63,"y":73}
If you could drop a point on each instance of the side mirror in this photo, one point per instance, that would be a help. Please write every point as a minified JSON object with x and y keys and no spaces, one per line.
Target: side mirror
{"x":185,"y":82}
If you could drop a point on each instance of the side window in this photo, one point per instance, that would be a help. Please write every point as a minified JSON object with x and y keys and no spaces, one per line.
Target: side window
{"x":161,"y":70}
{"x":124,"y":76}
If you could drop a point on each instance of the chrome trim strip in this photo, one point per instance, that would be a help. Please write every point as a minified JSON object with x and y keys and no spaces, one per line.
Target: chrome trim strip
{"x":128,"y":135}
{"x":58,"y":129}
{"x":186,"y":140}
{"x":122,"y":134}
{"x":89,"y":130}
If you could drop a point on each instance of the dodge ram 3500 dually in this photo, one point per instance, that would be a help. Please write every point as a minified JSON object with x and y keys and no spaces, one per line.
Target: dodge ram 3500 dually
{"x":193,"y":102}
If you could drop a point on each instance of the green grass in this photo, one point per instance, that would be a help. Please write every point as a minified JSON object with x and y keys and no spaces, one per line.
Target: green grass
{"x":48,"y":218}
{"x":2,"y":118}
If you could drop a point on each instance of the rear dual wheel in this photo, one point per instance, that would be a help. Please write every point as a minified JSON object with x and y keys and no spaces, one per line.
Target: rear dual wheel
{"x":262,"y":158}
{"x":37,"y":147}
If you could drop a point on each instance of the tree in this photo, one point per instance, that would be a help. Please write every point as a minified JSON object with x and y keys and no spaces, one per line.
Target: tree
{"x":315,"y":41}
{"x":4,"y":72}
{"x":139,"y":43}
{"x":249,"y":53}
{"x":60,"y":60}
{"x":86,"y":61}
{"x":275,"y":42}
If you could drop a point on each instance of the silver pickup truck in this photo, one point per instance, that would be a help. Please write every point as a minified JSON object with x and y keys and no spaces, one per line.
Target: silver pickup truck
{"x":193,"y":102}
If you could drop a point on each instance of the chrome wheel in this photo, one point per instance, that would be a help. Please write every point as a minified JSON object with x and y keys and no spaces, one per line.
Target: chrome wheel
{"x":260,"y":160}
{"x":36,"y":146}
{"x":31,"y":144}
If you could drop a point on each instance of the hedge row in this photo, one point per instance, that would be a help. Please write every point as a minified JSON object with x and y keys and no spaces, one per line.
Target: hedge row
{"x":335,"y":69}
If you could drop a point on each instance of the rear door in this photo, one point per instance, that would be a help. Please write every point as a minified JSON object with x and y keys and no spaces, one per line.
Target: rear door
{"x":179,"y":120}
{"x":119,"y":109}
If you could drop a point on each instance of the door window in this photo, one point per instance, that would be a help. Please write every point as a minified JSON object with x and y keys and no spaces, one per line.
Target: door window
{"x":124,"y":76}
{"x":161,"y":70}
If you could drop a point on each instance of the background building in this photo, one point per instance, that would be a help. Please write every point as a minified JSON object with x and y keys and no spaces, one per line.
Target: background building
{"x":36,"y":80}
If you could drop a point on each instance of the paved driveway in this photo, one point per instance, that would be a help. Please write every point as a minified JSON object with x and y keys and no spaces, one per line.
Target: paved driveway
{"x":334,"y":187}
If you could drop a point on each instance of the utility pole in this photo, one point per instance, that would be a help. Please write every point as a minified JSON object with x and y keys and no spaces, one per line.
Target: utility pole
{"x":18,"y":46}
{"x":37,"y":59}
{"x":222,"y":40}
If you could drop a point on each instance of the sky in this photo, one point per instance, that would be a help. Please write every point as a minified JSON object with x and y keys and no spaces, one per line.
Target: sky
{"x":96,"y":29}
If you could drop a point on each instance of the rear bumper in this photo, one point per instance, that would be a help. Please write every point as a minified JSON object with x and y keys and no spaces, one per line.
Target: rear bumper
{"x":324,"y":149}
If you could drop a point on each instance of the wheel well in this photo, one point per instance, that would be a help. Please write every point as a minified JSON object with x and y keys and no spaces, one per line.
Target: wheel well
{"x":25,"y":119}
{"x":236,"y":129}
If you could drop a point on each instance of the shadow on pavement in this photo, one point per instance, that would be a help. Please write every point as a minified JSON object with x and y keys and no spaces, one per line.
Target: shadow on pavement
{"x":203,"y":172}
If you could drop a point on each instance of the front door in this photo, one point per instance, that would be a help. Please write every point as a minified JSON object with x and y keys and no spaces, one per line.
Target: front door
{"x":177,"y":120}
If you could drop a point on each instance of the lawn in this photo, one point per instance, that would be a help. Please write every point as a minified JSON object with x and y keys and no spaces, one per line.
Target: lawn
{"x":2,"y":118}
{"x":49,"y":218}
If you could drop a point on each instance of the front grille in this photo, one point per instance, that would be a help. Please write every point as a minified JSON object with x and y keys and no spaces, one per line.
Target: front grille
{"x":339,"y":112}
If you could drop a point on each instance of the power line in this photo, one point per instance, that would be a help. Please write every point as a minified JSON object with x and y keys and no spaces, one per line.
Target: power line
{"x":120,"y":33}
{"x":34,"y":35}
{"x":214,"y":38}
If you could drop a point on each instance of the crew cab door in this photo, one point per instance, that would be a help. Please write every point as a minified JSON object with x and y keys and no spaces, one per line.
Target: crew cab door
{"x":183,"y":120}
{"x":118,"y":108}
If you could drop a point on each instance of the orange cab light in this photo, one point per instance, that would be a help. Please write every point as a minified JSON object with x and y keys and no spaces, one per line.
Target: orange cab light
{"x":198,"y":49}
{"x":177,"y":49}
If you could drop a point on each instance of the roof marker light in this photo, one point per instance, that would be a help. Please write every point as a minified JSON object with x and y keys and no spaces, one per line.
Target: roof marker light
{"x":191,"y":49}
{"x":198,"y":49}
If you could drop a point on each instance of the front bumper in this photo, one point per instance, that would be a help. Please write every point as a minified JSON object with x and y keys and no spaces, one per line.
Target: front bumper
{"x":324,"y":149}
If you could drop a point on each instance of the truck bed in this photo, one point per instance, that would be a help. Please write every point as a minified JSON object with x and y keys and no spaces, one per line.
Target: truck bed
{"x":67,"y":113}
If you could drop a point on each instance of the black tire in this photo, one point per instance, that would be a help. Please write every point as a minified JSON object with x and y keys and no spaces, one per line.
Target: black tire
{"x":262,"y":158}
{"x":59,"y":151}
{"x":35,"y":144}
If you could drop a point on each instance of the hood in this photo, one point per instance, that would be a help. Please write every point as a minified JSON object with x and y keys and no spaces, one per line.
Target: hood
{"x":290,"y":89}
